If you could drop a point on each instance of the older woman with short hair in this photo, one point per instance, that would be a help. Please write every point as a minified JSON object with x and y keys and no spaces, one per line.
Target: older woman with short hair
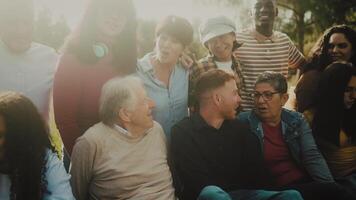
{"x":162,"y":73}
{"x":288,"y":149}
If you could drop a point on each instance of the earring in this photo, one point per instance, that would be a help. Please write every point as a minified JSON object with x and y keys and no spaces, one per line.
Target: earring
{"x":100,"y":49}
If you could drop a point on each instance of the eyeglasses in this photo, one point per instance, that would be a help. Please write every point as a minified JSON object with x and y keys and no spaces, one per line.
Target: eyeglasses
{"x":350,"y":89}
{"x":267,"y":96}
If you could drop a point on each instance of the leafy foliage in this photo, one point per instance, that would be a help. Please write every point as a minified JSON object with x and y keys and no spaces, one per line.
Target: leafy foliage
{"x":49,"y":32}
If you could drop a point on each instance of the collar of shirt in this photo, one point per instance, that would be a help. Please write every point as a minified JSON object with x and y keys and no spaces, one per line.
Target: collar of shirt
{"x":200,"y":123}
{"x":4,"y":49}
{"x":261,"y":38}
{"x":121,"y":130}
{"x":146,"y":65}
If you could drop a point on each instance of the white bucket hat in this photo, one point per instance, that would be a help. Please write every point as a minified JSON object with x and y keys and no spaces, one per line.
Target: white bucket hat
{"x":214,"y":27}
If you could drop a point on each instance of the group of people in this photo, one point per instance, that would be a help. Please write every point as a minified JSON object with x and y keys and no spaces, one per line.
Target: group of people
{"x":168,"y":126}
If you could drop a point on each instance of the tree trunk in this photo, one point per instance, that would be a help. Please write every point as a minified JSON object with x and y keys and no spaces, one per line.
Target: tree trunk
{"x":301,"y":29}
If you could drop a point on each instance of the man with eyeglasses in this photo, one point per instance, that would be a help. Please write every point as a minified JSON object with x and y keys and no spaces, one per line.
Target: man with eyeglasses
{"x":289,"y":152}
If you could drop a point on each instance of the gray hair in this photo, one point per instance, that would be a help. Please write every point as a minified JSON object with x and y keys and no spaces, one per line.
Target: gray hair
{"x":118,"y":93}
{"x":276,"y":80}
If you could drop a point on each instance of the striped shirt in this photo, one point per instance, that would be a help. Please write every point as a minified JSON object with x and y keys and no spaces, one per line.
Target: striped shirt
{"x":259,"y":53}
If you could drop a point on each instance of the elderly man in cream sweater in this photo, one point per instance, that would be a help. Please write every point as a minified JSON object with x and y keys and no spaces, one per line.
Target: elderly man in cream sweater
{"x":124,"y":156}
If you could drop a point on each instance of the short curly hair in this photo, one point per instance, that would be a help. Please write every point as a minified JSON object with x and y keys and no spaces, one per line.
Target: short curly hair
{"x":275,"y":79}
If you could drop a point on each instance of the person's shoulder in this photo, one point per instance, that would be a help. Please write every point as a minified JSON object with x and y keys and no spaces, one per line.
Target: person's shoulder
{"x":144,"y":63}
{"x":280,"y":35}
{"x":183,"y":127}
{"x":51,"y":155}
{"x":291,"y":116}
{"x":157,"y":129}
{"x":244,"y":116}
{"x":70,"y":61}
{"x":95,"y":133}
{"x":283,"y":38}
{"x":241,"y":125}
{"x":52,"y":159}
{"x":42,"y":49}
{"x":244,"y":32}
{"x":185,"y":122}
{"x":93,"y":138}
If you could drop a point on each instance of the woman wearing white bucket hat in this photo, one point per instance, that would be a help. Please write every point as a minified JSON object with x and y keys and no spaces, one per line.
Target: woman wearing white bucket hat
{"x":217,"y":34}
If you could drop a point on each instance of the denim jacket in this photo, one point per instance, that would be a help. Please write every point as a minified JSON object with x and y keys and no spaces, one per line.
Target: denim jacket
{"x":299,"y":139}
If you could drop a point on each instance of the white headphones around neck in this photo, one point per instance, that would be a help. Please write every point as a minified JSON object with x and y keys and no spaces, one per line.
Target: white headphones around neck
{"x":100,"y":49}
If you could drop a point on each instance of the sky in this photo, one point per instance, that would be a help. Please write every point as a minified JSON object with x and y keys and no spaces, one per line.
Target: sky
{"x":146,"y":9}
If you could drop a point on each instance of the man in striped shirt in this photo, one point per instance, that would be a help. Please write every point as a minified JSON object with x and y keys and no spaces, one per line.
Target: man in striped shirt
{"x":264,"y":49}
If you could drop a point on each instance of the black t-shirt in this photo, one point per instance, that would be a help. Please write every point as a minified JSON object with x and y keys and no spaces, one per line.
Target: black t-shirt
{"x":229,"y":157}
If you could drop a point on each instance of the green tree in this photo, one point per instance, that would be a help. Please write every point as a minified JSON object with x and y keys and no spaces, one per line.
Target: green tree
{"x":49,"y":32}
{"x":145,"y":36}
{"x":60,"y":31}
{"x":307,"y":18}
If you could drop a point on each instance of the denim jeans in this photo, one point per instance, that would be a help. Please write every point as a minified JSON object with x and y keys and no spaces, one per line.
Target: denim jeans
{"x":216,"y":193}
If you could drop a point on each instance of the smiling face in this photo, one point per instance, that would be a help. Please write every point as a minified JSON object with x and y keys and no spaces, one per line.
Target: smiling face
{"x":221,"y":46}
{"x":264,"y":12}
{"x":339,"y":48}
{"x":350,"y":93}
{"x":269,"y":110}
{"x":111,"y":20}
{"x":141,"y":114}
{"x":168,"y":49}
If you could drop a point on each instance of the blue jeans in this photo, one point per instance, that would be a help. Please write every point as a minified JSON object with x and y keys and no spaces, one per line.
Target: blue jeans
{"x":216,"y":193}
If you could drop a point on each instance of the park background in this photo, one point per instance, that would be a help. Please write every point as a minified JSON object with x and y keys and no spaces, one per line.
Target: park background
{"x":302,"y":20}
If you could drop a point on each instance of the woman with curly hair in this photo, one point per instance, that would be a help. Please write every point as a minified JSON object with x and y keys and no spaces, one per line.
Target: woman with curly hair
{"x":338,"y":43}
{"x":29,"y":166}
{"x":101,"y":48}
{"x":334,"y":124}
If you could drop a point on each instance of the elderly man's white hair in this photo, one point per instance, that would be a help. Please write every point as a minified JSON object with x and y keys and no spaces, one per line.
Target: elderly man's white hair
{"x":116,"y":94}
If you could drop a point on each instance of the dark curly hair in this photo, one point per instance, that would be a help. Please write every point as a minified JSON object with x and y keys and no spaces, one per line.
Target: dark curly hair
{"x":318,"y":56}
{"x":81,"y":41}
{"x":25,"y":146}
{"x":330,"y":113}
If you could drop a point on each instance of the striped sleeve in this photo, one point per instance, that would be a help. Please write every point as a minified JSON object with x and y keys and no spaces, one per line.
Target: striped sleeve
{"x":295,"y":57}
